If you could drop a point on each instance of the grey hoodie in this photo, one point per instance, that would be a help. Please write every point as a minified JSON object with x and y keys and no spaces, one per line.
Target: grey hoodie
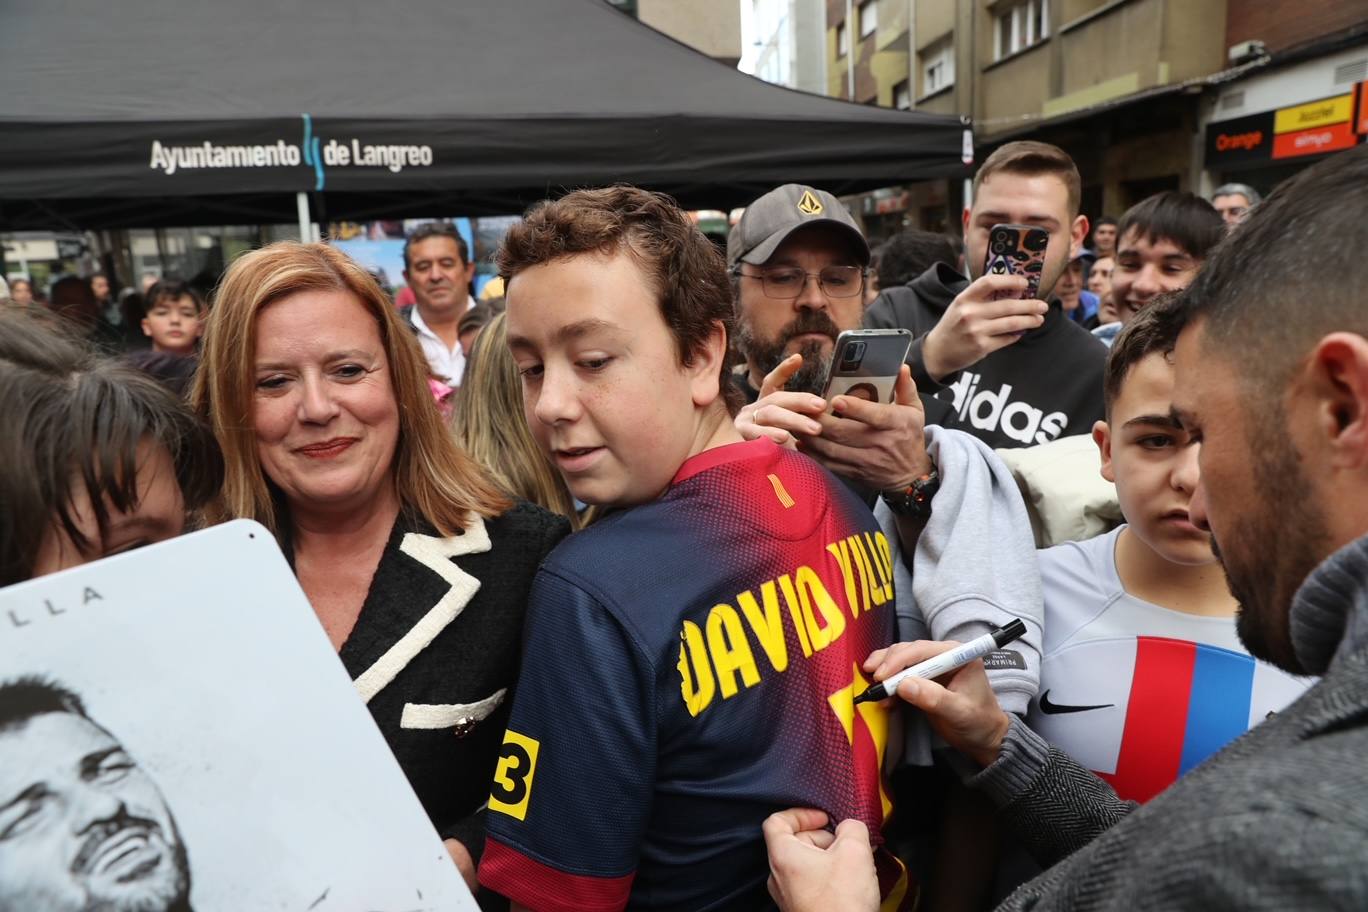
{"x":974,"y":568}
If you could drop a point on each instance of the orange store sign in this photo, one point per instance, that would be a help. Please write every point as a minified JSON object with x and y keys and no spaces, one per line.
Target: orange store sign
{"x":1314,"y":141}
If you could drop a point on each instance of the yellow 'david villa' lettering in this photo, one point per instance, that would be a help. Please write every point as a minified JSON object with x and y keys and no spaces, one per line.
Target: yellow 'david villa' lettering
{"x":767,"y":625}
{"x":695,"y":675}
{"x":841,"y":552}
{"x":871,"y":568}
{"x":730,"y":651}
{"x":796,"y":613}
{"x":712,"y":656}
{"x":812,"y":593}
{"x":878,"y":549}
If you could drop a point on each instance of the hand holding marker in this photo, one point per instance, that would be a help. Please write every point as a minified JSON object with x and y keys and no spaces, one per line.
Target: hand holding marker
{"x":947,"y":661}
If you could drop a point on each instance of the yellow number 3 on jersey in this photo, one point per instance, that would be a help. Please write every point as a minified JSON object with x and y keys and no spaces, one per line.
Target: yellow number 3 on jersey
{"x":513,"y":776}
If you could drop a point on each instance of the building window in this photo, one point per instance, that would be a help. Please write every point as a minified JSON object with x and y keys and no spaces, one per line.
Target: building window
{"x":842,"y":40}
{"x":1021,"y":26}
{"x":938,"y":66}
{"x":902,"y":95}
{"x":869,"y":17}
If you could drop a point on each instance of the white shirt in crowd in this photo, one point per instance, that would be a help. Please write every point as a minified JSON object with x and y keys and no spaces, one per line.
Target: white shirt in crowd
{"x":1137,"y":692}
{"x":446,"y":363}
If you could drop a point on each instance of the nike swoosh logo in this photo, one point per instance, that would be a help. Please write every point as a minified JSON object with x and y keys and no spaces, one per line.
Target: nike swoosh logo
{"x":1051,"y":709}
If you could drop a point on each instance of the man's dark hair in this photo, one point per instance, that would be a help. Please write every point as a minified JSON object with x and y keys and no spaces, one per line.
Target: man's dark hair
{"x":911,"y":252}
{"x":24,"y":698}
{"x":1292,"y":273}
{"x":432,"y":230}
{"x":1183,"y":218}
{"x":171,"y":289}
{"x":1154,"y":329}
{"x":73,"y":420}
{"x":1104,"y":220}
{"x":1028,"y":158}
{"x":688,"y":272}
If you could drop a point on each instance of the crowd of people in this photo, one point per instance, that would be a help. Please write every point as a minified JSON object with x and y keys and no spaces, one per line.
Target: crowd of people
{"x":611,"y":540}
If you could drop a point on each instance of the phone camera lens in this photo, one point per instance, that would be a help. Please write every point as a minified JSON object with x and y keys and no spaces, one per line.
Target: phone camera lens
{"x":853,"y":355}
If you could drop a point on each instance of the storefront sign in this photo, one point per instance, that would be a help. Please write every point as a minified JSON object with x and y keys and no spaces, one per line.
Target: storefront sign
{"x":1244,"y":139}
{"x":1314,"y":141}
{"x":892,"y":204}
{"x":1363,"y":107}
{"x":1324,"y":113}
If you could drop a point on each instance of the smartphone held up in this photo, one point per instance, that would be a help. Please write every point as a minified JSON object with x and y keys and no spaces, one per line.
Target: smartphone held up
{"x":866,"y":363}
{"x":1017,"y":250}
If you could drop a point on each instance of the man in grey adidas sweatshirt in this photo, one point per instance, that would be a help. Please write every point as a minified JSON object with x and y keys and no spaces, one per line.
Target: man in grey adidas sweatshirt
{"x":1279,"y":818}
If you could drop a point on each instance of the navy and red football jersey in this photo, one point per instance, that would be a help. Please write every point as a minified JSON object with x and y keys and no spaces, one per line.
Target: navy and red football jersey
{"x":690,"y":668}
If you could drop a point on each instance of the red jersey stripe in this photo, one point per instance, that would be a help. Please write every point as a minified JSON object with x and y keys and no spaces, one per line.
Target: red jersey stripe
{"x":537,"y":886}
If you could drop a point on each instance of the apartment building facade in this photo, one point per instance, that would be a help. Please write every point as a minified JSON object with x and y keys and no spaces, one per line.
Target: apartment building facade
{"x":1129,"y":87}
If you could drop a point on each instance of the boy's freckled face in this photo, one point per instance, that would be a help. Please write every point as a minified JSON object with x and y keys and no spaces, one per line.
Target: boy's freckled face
{"x":1153,"y":462}
{"x":604,"y":391}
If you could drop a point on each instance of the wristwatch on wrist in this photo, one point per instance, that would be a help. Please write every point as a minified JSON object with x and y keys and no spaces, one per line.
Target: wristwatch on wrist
{"x":915,"y":499}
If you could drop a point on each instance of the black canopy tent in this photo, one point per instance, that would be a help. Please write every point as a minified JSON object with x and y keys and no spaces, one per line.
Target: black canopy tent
{"x":167,"y":112}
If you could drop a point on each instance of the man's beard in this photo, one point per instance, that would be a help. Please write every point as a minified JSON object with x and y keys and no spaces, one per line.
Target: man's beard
{"x":170,"y":893}
{"x":765,"y":355}
{"x":1269,"y":554}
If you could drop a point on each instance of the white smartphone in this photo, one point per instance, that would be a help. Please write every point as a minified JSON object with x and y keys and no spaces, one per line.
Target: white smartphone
{"x":866,"y":363}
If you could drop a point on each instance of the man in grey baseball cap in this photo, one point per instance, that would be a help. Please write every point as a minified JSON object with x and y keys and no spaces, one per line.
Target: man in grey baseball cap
{"x":798,"y":262}
{"x":768,"y":221}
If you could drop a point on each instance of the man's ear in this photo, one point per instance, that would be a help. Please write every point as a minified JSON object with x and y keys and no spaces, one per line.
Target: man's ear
{"x":1101,"y":435}
{"x":146,"y":328}
{"x":469,"y":272}
{"x":965,"y":215}
{"x":705,"y":368}
{"x":1337,"y":378}
{"x":1078,"y":233}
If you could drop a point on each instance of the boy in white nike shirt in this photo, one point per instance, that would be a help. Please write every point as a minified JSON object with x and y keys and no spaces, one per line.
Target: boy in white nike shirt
{"x":1142,"y":675}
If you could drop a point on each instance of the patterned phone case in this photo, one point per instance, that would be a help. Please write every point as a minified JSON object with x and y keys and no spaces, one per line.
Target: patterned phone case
{"x":1017,"y":250}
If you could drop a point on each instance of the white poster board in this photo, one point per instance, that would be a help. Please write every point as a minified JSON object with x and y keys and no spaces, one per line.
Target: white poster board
{"x":203,"y":660}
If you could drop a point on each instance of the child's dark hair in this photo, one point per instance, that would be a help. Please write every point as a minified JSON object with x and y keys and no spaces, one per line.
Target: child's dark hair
{"x":1154,"y":329}
{"x":172,"y":290}
{"x":73,"y":419}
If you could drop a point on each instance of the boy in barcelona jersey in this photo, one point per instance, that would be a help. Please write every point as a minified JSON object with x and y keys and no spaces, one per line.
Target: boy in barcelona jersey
{"x":691,"y":659}
{"x":1143,"y":675}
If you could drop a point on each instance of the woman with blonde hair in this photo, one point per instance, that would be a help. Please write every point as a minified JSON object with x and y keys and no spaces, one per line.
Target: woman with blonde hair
{"x":416,"y":564}
{"x":490,"y":426}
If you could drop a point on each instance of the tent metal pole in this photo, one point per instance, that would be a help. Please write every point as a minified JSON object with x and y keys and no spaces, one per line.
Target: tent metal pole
{"x":305,"y":223}
{"x":852,"y":29}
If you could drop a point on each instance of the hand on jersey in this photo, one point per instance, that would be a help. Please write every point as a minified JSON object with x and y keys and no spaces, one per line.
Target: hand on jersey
{"x":878,"y":444}
{"x":813,"y":870}
{"x":961,"y":706}
{"x":974,"y":325}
